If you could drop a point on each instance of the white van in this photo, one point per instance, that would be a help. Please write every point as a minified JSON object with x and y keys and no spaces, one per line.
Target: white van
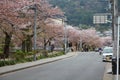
{"x":107,"y":53}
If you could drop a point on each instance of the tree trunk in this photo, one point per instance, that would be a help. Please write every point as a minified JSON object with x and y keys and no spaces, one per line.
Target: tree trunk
{"x":27,"y":45}
{"x":7,"y":44}
{"x":45,"y":44}
{"x":24,"y":46}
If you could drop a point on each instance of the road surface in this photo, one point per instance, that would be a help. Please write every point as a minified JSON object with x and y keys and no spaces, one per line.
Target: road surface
{"x":82,"y":66}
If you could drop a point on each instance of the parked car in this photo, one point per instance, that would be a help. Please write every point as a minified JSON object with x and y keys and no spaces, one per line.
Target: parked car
{"x":107,"y":53}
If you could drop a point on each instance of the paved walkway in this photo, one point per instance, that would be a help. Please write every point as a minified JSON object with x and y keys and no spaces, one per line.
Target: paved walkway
{"x":108,"y":73}
{"x":12,"y":68}
{"x":114,"y":77}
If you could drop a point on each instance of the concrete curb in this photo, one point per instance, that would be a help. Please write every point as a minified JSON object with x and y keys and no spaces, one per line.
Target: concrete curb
{"x":17,"y":67}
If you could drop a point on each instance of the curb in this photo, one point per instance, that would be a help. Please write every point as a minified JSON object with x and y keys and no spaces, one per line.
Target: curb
{"x":12,"y":68}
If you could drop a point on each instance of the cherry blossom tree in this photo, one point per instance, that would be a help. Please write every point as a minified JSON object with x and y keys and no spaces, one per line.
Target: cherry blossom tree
{"x":6,"y":25}
{"x":106,"y":41}
{"x":16,"y":13}
{"x":88,"y":37}
{"x":73,"y":36}
{"x":51,"y":32}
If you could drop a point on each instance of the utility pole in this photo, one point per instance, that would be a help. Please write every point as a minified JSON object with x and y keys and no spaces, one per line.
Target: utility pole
{"x":116,"y":35}
{"x":115,"y":29}
{"x":65,"y":38}
{"x":34,"y":7}
{"x":35,"y":36}
{"x":114,"y":24}
{"x":118,"y":28}
{"x":65,"y":34}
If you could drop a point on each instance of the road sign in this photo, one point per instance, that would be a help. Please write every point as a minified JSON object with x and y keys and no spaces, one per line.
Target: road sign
{"x":100,"y":18}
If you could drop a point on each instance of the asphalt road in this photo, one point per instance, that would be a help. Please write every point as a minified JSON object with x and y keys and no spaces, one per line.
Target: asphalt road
{"x":83,"y":66}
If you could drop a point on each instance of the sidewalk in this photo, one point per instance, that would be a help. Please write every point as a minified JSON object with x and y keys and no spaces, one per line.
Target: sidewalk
{"x":108,"y":73}
{"x":13,"y":68}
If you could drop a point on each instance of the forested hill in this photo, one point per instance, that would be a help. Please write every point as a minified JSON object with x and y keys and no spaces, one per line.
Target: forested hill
{"x":80,"y":11}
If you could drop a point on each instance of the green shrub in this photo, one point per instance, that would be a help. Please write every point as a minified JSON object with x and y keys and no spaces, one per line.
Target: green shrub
{"x":1,"y":51}
{"x":18,"y":55}
{"x":29,"y":53}
{"x":41,"y":56}
{"x":45,"y":53}
{"x":29,"y":59}
{"x":56,"y":54}
{"x":4,"y":63}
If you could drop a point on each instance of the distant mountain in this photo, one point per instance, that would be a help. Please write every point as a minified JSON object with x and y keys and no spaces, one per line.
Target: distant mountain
{"x":81,"y":11}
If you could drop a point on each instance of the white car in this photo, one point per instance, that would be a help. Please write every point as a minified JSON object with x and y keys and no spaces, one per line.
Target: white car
{"x":107,"y":53}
